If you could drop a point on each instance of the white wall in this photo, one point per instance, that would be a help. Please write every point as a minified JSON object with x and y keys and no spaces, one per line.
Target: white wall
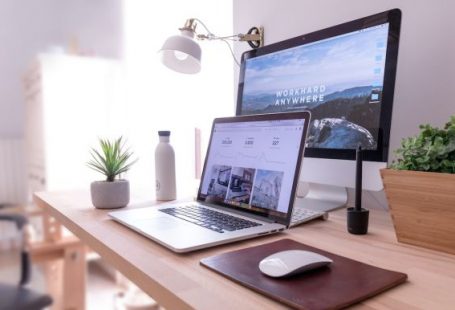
{"x":426,"y":61}
{"x":30,"y":27}
{"x":161,"y":99}
{"x":157,"y":98}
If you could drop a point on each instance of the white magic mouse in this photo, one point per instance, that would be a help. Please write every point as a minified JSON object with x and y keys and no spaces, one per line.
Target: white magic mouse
{"x":287,"y":263}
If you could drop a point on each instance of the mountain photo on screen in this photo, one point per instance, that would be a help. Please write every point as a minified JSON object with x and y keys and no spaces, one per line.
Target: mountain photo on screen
{"x":339,"y":79}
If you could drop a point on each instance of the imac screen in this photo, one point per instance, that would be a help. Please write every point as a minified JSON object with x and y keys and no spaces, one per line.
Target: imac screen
{"x":339,"y":78}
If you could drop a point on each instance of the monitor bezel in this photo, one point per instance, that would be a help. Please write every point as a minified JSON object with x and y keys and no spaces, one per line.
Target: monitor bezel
{"x":393,"y":17}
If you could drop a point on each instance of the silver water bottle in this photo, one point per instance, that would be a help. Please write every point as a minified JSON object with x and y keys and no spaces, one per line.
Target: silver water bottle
{"x":165,"y":168}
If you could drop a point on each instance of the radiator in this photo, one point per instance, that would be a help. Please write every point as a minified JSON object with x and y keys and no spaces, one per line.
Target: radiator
{"x":13,"y":189}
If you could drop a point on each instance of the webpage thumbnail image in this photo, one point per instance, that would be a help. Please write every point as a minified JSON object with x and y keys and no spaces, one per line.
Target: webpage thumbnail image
{"x":245,"y":186}
{"x":241,"y":185}
{"x":267,"y":189}
{"x":219,"y":181}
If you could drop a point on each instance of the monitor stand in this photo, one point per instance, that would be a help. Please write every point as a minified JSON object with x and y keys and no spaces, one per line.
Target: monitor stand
{"x":320,"y":197}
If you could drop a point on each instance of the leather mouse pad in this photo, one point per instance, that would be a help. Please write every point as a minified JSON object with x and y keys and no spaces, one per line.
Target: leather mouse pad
{"x":343,"y":283}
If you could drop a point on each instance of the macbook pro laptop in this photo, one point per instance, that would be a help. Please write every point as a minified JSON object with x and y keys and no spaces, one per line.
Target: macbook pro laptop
{"x":247,"y":186}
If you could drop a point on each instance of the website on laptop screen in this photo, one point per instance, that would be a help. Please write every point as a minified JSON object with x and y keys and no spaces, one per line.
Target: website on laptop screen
{"x":251,"y":165}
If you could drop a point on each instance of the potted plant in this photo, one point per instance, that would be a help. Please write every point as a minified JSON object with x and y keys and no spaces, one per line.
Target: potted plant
{"x":112,"y":160}
{"x":420,"y":188}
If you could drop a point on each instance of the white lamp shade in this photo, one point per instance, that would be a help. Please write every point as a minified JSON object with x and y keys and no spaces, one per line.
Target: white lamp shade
{"x":181,"y":53}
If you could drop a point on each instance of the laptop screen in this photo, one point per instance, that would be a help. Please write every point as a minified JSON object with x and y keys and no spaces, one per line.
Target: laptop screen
{"x":253,"y":164}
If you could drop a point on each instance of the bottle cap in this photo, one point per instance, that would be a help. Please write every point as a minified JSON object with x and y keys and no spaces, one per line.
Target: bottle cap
{"x":164,"y":133}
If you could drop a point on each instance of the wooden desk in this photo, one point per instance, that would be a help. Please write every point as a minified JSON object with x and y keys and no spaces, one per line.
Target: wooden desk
{"x":177,"y":281}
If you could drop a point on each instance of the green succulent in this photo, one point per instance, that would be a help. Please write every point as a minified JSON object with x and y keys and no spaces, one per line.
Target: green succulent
{"x":432,"y":150}
{"x":112,"y":160}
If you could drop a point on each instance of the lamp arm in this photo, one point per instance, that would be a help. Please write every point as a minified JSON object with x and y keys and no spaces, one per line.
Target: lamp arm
{"x":254,"y":36}
{"x":234,"y":37}
{"x":209,"y":34}
{"x":232,"y":51}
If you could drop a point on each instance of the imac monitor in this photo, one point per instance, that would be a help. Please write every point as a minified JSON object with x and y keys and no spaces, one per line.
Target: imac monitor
{"x":345,"y":76}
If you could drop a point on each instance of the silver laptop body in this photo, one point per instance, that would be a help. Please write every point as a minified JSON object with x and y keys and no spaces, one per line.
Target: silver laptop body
{"x":247,"y":187}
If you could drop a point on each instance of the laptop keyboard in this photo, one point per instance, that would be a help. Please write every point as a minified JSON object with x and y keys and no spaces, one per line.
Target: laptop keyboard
{"x":301,"y":215}
{"x":213,"y":220}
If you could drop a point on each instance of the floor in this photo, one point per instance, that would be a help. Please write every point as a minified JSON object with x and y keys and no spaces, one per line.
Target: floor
{"x":102,"y":290}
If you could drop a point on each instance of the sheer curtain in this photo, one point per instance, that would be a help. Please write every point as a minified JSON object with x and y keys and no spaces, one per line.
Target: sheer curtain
{"x":160,"y":99}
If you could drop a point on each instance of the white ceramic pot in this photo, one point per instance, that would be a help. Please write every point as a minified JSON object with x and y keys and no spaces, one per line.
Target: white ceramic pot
{"x":110,"y":195}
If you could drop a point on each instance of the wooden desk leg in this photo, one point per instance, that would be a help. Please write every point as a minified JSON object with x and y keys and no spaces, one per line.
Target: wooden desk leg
{"x":52,"y":270}
{"x":51,"y":228}
{"x":74,"y":278}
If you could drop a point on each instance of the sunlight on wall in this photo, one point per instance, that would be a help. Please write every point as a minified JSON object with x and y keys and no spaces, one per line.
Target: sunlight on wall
{"x":160,"y":99}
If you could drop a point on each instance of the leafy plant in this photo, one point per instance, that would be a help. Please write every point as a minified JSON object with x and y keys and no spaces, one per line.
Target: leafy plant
{"x":112,"y":160}
{"x":433,"y":149}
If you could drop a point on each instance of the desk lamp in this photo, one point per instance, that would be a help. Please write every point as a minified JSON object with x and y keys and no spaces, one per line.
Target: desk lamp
{"x":182,"y":53}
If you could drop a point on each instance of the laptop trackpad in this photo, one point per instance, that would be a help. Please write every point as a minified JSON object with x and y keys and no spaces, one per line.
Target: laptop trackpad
{"x":155,"y":223}
{"x":167,"y":228}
